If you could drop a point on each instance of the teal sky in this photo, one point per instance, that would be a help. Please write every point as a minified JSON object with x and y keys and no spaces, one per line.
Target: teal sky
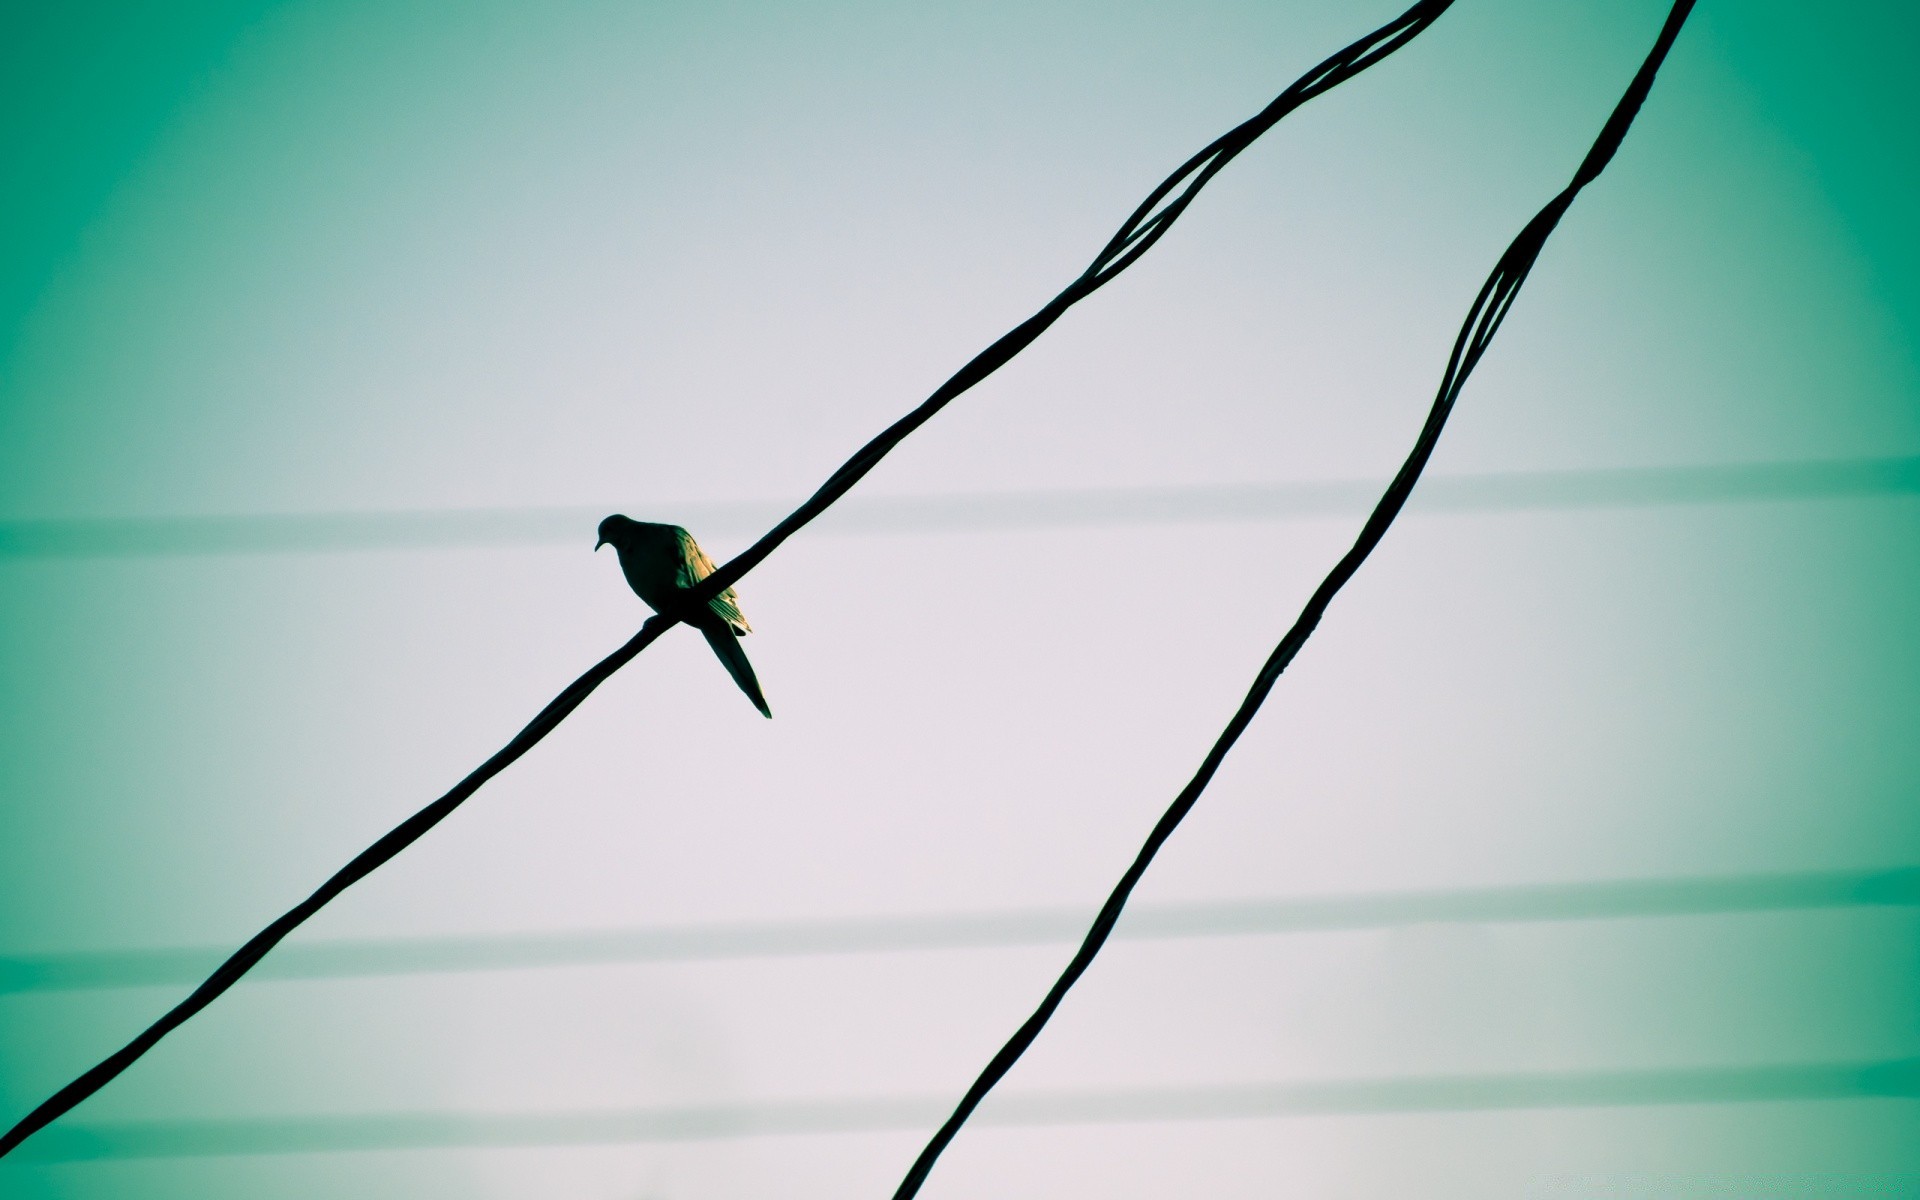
{"x":332,"y":259}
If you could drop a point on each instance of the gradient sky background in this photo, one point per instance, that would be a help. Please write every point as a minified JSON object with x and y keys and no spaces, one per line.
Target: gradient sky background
{"x":344,"y":258}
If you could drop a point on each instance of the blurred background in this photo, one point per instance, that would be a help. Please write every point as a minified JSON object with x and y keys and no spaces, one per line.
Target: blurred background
{"x":1574,"y":857}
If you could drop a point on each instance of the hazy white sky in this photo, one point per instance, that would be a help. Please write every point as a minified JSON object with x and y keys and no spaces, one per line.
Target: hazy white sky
{"x":405,"y":256}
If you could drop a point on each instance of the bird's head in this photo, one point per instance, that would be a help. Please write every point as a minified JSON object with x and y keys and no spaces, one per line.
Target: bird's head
{"x":612,"y":529}
{"x":642,"y":537}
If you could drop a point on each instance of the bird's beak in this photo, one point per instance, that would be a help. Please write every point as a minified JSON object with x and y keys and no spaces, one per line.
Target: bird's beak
{"x":598,"y":544}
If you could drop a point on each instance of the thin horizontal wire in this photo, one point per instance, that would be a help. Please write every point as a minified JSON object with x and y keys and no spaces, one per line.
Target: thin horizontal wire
{"x":1607,"y":900}
{"x":1123,"y":250}
{"x":1483,"y":321}
{"x":1792,"y":1082}
{"x":1505,"y":491}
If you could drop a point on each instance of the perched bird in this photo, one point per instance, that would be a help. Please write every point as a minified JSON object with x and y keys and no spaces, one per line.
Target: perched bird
{"x":661,"y":561}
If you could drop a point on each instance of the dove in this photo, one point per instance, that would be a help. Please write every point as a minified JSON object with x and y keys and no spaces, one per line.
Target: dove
{"x":661,"y":561}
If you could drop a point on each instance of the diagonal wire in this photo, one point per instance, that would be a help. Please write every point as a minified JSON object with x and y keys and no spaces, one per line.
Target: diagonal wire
{"x":1135,"y":237}
{"x":1146,"y":226}
{"x":1476,"y":333}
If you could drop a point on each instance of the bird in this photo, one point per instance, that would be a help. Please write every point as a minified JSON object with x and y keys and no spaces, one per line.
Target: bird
{"x":662,"y":561}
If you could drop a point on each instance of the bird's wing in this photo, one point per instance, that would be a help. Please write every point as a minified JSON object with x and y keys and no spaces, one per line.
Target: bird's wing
{"x":695,"y":566}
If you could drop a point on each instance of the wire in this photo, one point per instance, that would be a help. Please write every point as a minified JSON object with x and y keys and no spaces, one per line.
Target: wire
{"x":1796,"y":1082}
{"x":1495,"y":491}
{"x":1891,"y":889}
{"x":1136,"y":236}
{"x":1483,"y":320}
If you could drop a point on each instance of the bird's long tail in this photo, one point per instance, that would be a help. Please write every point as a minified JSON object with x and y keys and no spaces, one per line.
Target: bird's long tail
{"x":726,"y":644}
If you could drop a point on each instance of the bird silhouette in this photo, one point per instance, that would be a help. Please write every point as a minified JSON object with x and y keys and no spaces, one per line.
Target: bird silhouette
{"x":662,"y":561}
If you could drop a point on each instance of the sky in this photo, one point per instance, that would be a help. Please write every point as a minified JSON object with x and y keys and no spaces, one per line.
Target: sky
{"x":1573,"y":858}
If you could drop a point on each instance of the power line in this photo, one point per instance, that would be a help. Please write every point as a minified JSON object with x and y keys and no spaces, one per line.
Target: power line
{"x":1148,"y":223}
{"x":1606,"y":900}
{"x":1503,"y":491}
{"x":1789,"y":1082}
{"x":1483,"y":321}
